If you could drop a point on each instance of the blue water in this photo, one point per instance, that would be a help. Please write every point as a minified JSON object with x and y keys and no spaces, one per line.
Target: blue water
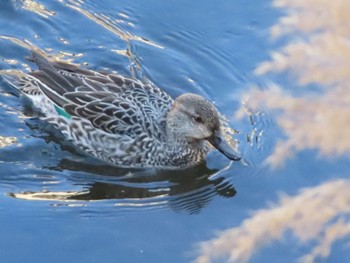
{"x":89,"y":212}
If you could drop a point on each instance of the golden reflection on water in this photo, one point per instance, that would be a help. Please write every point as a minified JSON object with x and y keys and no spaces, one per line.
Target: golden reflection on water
{"x":6,"y":141}
{"x":23,"y":43}
{"x":320,"y":214}
{"x":108,"y":23}
{"x":46,"y":195}
{"x":112,"y":26}
{"x":318,"y":121}
{"x":72,"y":198}
{"x":34,"y":7}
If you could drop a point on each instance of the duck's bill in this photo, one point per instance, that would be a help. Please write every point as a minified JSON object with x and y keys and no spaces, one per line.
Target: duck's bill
{"x":219,"y":142}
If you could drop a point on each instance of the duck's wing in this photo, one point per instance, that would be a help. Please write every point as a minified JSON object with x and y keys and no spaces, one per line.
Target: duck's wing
{"x":112,"y":103}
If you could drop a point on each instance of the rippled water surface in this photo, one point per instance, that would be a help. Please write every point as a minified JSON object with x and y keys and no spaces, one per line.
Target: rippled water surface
{"x":57,"y":205}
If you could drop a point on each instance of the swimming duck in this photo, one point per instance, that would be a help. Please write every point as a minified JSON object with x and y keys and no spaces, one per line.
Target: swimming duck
{"x":122,"y":120}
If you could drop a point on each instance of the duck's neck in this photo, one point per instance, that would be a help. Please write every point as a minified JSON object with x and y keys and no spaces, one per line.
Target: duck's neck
{"x":181,"y":150}
{"x":174,"y":135}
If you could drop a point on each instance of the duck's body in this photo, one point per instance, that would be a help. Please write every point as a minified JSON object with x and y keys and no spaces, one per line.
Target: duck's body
{"x":121,"y":120}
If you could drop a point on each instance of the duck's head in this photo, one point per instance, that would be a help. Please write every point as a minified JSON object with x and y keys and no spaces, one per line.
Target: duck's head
{"x":194,"y":118}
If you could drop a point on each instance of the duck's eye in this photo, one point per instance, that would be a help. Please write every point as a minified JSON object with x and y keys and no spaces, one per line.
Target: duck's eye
{"x":198,"y":119}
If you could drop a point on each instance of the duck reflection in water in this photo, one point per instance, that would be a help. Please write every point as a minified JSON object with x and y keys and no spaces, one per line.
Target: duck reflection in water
{"x":187,"y":190}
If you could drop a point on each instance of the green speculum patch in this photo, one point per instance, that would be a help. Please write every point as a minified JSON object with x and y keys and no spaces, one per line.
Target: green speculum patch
{"x":62,"y":112}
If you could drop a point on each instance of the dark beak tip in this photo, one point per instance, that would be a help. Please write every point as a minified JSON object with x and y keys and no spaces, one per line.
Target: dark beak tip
{"x":233,"y":157}
{"x":236,"y":158}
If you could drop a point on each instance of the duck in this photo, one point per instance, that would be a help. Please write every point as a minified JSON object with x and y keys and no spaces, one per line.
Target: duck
{"x":121,"y":120}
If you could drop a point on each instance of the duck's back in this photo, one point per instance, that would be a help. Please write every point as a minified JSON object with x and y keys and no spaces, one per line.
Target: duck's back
{"x":117,"y":119}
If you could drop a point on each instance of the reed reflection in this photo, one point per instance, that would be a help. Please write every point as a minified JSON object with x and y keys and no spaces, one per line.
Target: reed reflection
{"x":317,"y":53}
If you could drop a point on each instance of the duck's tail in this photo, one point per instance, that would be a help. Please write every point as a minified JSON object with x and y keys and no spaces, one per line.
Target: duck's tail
{"x":21,"y":81}
{"x":13,"y":78}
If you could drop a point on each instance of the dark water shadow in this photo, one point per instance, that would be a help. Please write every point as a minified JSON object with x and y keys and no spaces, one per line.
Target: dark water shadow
{"x":188,"y":190}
